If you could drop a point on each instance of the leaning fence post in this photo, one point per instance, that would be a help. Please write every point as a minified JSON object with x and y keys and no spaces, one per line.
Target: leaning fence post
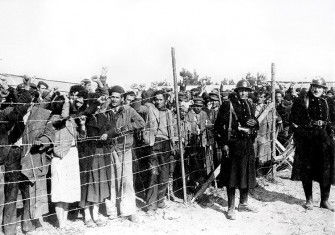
{"x":178,"y":123}
{"x":273,"y":92}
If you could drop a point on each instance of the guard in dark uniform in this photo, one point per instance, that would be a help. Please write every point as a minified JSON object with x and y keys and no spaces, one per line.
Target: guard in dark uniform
{"x":236,"y":129}
{"x":312,"y":119}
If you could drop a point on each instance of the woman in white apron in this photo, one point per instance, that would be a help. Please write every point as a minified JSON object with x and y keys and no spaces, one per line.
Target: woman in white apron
{"x":65,"y":177}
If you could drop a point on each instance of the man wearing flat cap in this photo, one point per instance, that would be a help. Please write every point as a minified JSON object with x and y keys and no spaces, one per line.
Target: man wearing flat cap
{"x":123,"y":121}
{"x":236,"y":130}
{"x":214,"y":99}
{"x":182,"y":97}
{"x":313,"y":122}
{"x":196,"y":153}
{"x":214,"y":151}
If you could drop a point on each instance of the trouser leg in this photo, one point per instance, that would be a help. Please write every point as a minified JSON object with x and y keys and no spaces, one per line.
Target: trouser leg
{"x":124,"y":182}
{"x":231,"y":198}
{"x":231,"y":203}
{"x":244,"y":206}
{"x":24,"y":189}
{"x":244,"y":196}
{"x":152,"y":193}
{"x":11,"y":192}
{"x":163,"y":178}
{"x":325,"y":191}
{"x":2,"y":193}
{"x":12,"y":176}
{"x":308,"y":189}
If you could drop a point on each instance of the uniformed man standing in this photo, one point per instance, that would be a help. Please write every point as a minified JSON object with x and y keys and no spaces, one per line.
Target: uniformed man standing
{"x":235,"y":129}
{"x":312,"y":119}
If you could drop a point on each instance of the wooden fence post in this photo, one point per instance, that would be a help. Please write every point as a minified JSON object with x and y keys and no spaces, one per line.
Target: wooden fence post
{"x":273,"y":119}
{"x":178,"y":123}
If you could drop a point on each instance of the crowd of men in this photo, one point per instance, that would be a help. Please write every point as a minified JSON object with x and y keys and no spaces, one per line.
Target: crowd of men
{"x":96,"y":151}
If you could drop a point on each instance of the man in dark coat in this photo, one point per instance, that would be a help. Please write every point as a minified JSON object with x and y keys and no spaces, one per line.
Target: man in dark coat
{"x":313,"y":121}
{"x":235,"y":129}
{"x":10,"y":156}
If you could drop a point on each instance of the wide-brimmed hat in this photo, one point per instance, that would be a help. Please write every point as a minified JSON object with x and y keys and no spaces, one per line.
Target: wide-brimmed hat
{"x":319,"y":81}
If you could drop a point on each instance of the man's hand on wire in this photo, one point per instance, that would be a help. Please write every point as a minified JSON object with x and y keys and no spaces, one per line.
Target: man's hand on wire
{"x":251,"y":122}
{"x":102,"y":99}
{"x":225,"y":150}
{"x":39,"y":144}
{"x":104,"y":137}
{"x":82,"y":120}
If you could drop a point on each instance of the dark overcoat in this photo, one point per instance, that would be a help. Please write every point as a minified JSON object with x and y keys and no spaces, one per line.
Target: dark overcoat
{"x":314,"y":154}
{"x":238,"y":168}
{"x":98,"y":154}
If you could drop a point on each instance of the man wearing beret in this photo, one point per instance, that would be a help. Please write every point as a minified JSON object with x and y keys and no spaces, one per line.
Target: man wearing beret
{"x":123,"y":120}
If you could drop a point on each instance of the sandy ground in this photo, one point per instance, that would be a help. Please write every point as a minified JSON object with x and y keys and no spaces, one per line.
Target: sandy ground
{"x":280,"y":212}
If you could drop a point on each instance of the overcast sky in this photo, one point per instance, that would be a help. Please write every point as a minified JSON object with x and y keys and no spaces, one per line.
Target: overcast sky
{"x":72,"y":40}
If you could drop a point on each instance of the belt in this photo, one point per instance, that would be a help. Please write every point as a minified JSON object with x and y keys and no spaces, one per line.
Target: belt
{"x":318,"y":123}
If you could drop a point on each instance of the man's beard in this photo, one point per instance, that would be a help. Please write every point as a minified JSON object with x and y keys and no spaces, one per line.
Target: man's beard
{"x":317,"y":93}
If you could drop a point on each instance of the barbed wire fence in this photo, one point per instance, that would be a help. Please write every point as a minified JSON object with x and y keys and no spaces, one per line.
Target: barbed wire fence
{"x":267,"y":149}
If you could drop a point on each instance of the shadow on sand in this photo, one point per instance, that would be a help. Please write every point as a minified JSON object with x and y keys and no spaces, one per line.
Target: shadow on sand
{"x":214,"y":202}
{"x":264,"y":195}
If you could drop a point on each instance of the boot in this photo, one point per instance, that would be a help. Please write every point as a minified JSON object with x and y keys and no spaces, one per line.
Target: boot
{"x":325,"y":190}
{"x":171,"y":195}
{"x":308,"y":185}
{"x":231,"y":214}
{"x":244,"y":206}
